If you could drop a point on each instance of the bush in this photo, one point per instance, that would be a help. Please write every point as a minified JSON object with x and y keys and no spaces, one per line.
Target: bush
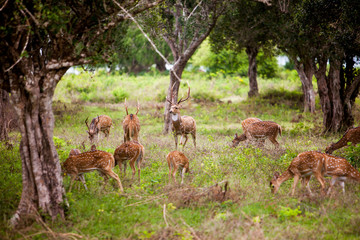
{"x":119,"y":95}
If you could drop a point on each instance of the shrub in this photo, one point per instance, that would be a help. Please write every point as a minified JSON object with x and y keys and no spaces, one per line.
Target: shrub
{"x":120,"y":94}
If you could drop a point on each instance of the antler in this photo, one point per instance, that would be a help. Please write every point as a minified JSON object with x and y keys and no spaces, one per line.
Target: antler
{"x":98,"y":121}
{"x":138,"y":107}
{"x":86,"y":122}
{"x":126,"y":108}
{"x":188,"y":95}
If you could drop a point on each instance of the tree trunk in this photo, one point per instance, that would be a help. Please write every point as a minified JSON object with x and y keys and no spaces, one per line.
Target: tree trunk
{"x":252,"y":52}
{"x":4,"y":105}
{"x":336,"y":96}
{"x":31,"y":96}
{"x":172,"y":94}
{"x":306,"y":72}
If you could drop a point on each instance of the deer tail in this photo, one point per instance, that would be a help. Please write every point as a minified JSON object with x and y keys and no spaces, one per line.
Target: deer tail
{"x":280,"y":130}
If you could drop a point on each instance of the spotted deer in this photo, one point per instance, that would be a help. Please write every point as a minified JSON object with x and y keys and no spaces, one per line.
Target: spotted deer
{"x":177,"y":161}
{"x":131,"y":125}
{"x":78,"y":164}
{"x":245,"y":124}
{"x":339,"y":169}
{"x":351,"y":135}
{"x":80,"y":176}
{"x":182,"y":125}
{"x":100,"y":123}
{"x":263,"y":130}
{"x":302,"y":166}
{"x":132,"y":152}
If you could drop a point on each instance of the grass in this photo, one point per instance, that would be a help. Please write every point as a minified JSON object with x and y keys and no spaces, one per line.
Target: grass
{"x":192,"y":210}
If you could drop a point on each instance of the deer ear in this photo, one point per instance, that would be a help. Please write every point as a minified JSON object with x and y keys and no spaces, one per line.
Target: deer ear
{"x":236,"y":135}
{"x":276,"y":175}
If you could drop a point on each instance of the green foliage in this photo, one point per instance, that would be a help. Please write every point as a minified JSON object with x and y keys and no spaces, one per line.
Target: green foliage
{"x":288,"y":213}
{"x":120,"y":95}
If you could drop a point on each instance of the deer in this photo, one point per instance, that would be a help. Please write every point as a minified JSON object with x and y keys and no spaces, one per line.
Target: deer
{"x":100,"y":123}
{"x":260,"y":131}
{"x":78,"y":164}
{"x":177,"y":161}
{"x":338,"y":168}
{"x":244,"y":124}
{"x":132,"y":152}
{"x":302,"y":166}
{"x":131,"y":125}
{"x":351,"y":135}
{"x":182,"y":125}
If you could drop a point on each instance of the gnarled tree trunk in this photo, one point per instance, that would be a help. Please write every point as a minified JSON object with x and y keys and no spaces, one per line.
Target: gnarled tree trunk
{"x":306,"y":72}
{"x":252,"y":53}
{"x":4,"y":105}
{"x":337,"y":95}
{"x":31,"y":95}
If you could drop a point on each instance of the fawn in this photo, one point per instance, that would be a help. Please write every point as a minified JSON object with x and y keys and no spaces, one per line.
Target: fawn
{"x":131,"y":125}
{"x":100,"y":123}
{"x":131,"y":151}
{"x":78,"y":164}
{"x":177,"y":160}
{"x":302,"y":166}
{"x":351,"y":135}
{"x":244,"y":124}
{"x":339,"y":169}
{"x":182,"y":125}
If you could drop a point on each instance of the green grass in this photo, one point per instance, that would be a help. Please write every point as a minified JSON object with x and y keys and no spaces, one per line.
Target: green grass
{"x":250,"y":211}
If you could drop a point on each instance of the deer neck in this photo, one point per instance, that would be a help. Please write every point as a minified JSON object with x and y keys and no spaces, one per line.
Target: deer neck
{"x":176,"y":120}
{"x":284,"y":177}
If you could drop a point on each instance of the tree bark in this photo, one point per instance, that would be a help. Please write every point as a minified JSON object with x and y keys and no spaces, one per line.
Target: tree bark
{"x":31,"y":96}
{"x":252,"y":53}
{"x":306,"y":72}
{"x":160,"y":65}
{"x":4,"y":105}
{"x":337,"y":95}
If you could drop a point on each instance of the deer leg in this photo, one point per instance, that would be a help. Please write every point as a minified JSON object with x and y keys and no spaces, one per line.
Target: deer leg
{"x":320,"y":178}
{"x":174,"y":173}
{"x":332,"y":183}
{"x":273,"y":140}
{"x":139,"y":168}
{"x":193,"y":134}
{"x":82,"y":179}
{"x":305,"y":182}
{"x":132,"y":165}
{"x":182,"y":175}
{"x":296,"y":180}
{"x":176,"y":140}
{"x":73,"y":177}
{"x":186,"y":138}
{"x":342,"y":184}
{"x":116,"y":177}
{"x":125,"y":166}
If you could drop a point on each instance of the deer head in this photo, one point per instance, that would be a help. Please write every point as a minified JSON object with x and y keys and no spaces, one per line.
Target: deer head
{"x":237,"y":139}
{"x":137,"y":111}
{"x":175,"y":107}
{"x":93,"y":128}
{"x":274,"y":185}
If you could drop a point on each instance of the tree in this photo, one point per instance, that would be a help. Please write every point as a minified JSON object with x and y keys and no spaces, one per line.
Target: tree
{"x":4,"y":105}
{"x":40,"y":41}
{"x":183,"y":25}
{"x":335,"y":27}
{"x":246,"y":24}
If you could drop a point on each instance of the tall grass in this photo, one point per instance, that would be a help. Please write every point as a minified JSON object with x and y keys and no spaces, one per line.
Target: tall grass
{"x":190,"y":211}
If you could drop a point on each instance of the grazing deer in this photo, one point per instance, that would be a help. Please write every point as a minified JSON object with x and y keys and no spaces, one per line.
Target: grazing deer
{"x":131,"y":125}
{"x":351,"y":135}
{"x":302,"y":166}
{"x":131,"y":151}
{"x":245,"y":124}
{"x":182,"y":125}
{"x":339,"y":169}
{"x":100,"y":123}
{"x":263,"y":130}
{"x":177,"y":161}
{"x":80,"y":176}
{"x":76,"y":165}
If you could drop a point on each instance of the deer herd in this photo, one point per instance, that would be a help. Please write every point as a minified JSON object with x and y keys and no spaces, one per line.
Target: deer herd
{"x":255,"y":131}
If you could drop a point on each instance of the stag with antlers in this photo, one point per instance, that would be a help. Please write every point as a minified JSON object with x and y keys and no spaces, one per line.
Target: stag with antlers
{"x":131,"y":125}
{"x":100,"y":123}
{"x":182,"y":125}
